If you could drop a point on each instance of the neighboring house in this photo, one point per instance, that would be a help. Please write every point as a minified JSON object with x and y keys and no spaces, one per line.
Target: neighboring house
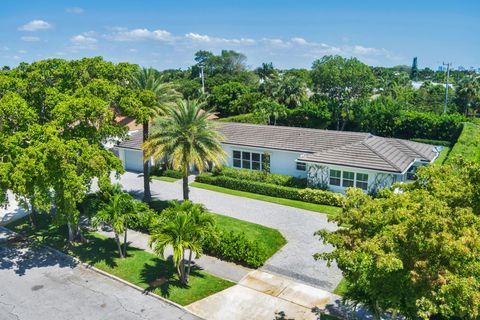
{"x":327,"y":158}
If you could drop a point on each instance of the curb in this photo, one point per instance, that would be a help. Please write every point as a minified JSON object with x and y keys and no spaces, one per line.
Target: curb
{"x":109,"y":275}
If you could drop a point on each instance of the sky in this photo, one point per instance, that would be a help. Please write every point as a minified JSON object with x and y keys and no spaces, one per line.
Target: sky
{"x":290,"y":34}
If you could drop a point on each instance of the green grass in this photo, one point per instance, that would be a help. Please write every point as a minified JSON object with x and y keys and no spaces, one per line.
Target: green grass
{"x":468,"y":144}
{"x":271,"y":239}
{"x":341,"y":287}
{"x":442,"y":156}
{"x":331,"y":211}
{"x":140,"y":267}
{"x":164,"y":178}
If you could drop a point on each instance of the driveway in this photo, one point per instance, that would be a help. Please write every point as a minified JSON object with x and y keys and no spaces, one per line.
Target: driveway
{"x":294,"y":260}
{"x":37,"y":283}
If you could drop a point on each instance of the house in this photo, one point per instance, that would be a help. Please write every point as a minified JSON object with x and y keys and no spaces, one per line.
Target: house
{"x":327,"y":158}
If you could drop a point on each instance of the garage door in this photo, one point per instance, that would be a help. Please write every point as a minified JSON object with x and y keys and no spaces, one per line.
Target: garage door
{"x":133,"y":160}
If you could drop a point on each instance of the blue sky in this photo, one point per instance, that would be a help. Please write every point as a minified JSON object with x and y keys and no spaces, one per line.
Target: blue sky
{"x":166,"y":34}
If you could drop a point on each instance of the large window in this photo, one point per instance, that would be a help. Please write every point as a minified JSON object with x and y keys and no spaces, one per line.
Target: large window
{"x":250,"y":160}
{"x":361,"y":181}
{"x":335,"y":176}
{"x":348,"y":179}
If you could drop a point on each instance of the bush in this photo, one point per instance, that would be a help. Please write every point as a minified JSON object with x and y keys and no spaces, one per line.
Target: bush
{"x":425,"y":125}
{"x":468,"y":144}
{"x":254,"y":118}
{"x":261,"y":176}
{"x":307,"y":195}
{"x":172,"y":173}
{"x":235,"y":247}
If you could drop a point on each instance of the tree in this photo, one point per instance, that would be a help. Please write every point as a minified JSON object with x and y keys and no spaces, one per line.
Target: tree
{"x":414,"y":70}
{"x":344,"y":82}
{"x":468,"y":94}
{"x":119,"y":211}
{"x":150,"y":80}
{"x":266,"y":71}
{"x":224,"y":98}
{"x":270,"y":110}
{"x":185,"y":227}
{"x":187,"y":139}
{"x":416,"y":251}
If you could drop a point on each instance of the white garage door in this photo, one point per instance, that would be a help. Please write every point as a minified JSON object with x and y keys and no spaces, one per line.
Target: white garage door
{"x":133,"y":160}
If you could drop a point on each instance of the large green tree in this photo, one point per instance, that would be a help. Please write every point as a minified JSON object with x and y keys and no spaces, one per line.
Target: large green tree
{"x":344,"y":82}
{"x":187,"y":139}
{"x":415,"y":252}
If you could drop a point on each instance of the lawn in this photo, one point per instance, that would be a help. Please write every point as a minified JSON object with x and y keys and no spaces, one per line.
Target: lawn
{"x":271,"y":239}
{"x":331,"y":211}
{"x":140,"y":268}
{"x":442,"y":156}
{"x":468,"y":144}
{"x":164,"y":178}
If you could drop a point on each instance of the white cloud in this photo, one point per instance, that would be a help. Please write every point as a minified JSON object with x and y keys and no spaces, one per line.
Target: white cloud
{"x":30,"y":38}
{"x":75,"y":10}
{"x":84,"y":41}
{"x":22,"y":51}
{"x":132,"y":50}
{"x":196,"y":37}
{"x":366,"y":51}
{"x":299,"y":41}
{"x":140,"y":34}
{"x":35,"y":25}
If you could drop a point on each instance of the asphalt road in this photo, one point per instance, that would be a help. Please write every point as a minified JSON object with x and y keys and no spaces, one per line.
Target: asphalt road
{"x":37,"y":283}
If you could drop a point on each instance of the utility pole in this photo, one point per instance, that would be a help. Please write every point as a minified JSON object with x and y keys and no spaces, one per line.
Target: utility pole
{"x":446,"y":87}
{"x":203,"y":79}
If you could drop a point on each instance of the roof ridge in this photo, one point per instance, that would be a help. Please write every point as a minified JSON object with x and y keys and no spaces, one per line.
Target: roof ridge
{"x":296,"y":128}
{"x":380,"y":155}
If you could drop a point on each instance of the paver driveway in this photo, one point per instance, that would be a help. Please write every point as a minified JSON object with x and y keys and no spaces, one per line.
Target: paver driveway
{"x":295,"y":259}
{"x":41,"y":284}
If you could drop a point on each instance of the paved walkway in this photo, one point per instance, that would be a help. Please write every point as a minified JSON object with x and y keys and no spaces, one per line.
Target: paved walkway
{"x":38,"y":283}
{"x":294,"y":260}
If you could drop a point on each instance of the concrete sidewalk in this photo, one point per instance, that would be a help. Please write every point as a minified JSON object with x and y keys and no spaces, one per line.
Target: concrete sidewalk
{"x":212,"y":265}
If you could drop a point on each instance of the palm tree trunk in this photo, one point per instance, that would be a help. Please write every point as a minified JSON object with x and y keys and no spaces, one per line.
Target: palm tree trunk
{"x":125,"y":242}
{"x":183,"y":278}
{"x":189,"y":264}
{"x":185,"y":182}
{"x":147,"y":196}
{"x":117,"y":239}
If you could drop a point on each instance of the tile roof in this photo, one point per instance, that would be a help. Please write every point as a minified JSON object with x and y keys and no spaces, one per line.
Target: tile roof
{"x":343,"y":148}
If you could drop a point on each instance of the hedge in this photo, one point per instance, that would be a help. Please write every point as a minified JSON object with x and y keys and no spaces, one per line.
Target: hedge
{"x":172,"y":174}
{"x":261,"y":176}
{"x":268,"y":189}
{"x":468,"y":144}
{"x":246,"y":118}
{"x":235,"y":247}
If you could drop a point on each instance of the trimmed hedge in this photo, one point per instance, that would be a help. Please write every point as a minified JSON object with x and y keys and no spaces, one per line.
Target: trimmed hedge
{"x":246,"y":118}
{"x":443,"y":143}
{"x":261,"y":176}
{"x":235,"y":247}
{"x":172,"y":174}
{"x":307,"y":195}
{"x":468,"y":144}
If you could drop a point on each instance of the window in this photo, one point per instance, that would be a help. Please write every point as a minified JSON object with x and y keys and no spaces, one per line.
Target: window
{"x":246,"y":160}
{"x":348,"y":179}
{"x":335,"y":177}
{"x":237,"y":161}
{"x":301,"y":166}
{"x":250,"y":160}
{"x":362,"y":181}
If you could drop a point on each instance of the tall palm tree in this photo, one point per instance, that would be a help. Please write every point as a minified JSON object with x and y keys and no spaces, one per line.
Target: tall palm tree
{"x":165,"y":94}
{"x":184,"y":226}
{"x":186,"y":138}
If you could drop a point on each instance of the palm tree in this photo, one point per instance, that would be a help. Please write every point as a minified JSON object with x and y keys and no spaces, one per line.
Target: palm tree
{"x":468,"y":92}
{"x":186,"y":138}
{"x":119,"y":210}
{"x":184,"y":226}
{"x":150,"y":80}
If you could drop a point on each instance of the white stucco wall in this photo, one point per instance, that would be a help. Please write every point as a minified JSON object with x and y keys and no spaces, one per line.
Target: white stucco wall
{"x":371,"y":175}
{"x":282,"y":162}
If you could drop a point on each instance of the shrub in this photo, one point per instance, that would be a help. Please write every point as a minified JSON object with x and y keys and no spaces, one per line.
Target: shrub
{"x":307,"y":195}
{"x":172,"y":173}
{"x":235,"y":247}
{"x":261,"y":176}
{"x":254,"y":118}
{"x":468,"y":144}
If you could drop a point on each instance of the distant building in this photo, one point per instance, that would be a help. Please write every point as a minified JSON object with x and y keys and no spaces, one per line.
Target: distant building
{"x":441,"y":68}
